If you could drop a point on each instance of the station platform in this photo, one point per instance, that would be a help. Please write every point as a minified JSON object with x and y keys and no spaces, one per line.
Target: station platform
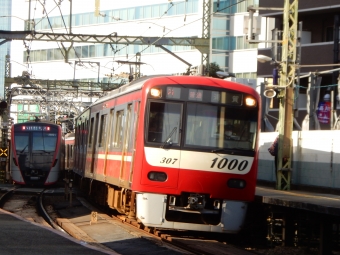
{"x":21,"y":237}
{"x":84,"y":233}
{"x":322,"y":203}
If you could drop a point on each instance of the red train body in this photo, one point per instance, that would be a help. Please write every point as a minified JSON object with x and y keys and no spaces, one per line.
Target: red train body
{"x":173,"y":151}
{"x":36,"y":153}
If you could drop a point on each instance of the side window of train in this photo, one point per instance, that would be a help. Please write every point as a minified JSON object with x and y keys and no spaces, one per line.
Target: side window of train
{"x":111,"y":130}
{"x":128,"y":125}
{"x":86,"y":131}
{"x":119,"y":127}
{"x":91,"y":131}
{"x":102,"y":131}
{"x":134,"y":123}
{"x":81,"y":134}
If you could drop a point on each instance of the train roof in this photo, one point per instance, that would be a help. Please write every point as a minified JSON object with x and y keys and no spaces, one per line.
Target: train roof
{"x":138,"y":84}
{"x":35,"y":122}
{"x":132,"y":86}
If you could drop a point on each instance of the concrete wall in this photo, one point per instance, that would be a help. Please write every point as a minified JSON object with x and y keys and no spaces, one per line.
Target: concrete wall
{"x":316,"y":158}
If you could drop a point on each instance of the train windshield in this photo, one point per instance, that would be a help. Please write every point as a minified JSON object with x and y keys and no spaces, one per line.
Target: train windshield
{"x":44,"y":142}
{"x":41,"y":142}
{"x":220,"y":127}
{"x":164,"y":122}
{"x":205,"y":126}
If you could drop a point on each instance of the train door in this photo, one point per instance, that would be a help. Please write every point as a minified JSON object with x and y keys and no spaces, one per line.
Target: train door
{"x":122,"y":120}
{"x":76,"y":147}
{"x":134,"y":128}
{"x":109,"y":134}
{"x":92,"y":140}
{"x":101,"y":144}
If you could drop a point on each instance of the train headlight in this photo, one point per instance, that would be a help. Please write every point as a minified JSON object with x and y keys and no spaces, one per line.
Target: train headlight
{"x":157,"y":176}
{"x":236,"y":183}
{"x":156,"y":93}
{"x":250,"y":101}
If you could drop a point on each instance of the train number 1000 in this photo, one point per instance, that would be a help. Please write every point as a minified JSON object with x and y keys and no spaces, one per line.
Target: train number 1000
{"x":230,"y":165}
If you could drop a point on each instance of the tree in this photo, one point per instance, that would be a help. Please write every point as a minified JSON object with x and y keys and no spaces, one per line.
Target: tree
{"x":213,"y":68}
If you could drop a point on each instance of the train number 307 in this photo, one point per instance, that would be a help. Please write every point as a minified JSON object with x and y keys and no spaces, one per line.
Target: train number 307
{"x":168,"y":160}
{"x":231,"y":165}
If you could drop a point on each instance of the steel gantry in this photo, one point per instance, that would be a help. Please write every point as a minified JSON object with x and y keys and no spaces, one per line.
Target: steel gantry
{"x":56,"y":98}
{"x":286,"y":95}
{"x":202,"y":44}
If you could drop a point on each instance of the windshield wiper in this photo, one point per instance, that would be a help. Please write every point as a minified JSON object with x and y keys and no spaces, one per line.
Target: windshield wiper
{"x":45,"y":151}
{"x":222,"y":150}
{"x":231,"y":150}
{"x":23,"y":149}
{"x":168,"y":139}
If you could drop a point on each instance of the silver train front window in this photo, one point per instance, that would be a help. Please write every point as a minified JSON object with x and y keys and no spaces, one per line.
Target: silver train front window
{"x":216,"y":126}
{"x":44,"y":142}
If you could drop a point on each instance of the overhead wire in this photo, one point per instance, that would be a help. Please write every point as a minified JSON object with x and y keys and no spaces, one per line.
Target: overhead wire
{"x":218,"y":10}
{"x":148,"y":46}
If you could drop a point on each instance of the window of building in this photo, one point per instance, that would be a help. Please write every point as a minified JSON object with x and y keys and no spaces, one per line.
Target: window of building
{"x":77,"y":50}
{"x":84,"y":51}
{"x":123,"y":14}
{"x":71,"y":53}
{"x":42,"y":55}
{"x":162,"y":9}
{"x":221,"y":59}
{"x":99,"y":50}
{"x":155,"y":11}
{"x":78,"y":19}
{"x":86,"y":18}
{"x":45,"y":24}
{"x":58,"y":55}
{"x":180,"y":8}
{"x":50,"y":54}
{"x":133,"y":13}
{"x":92,"y":51}
{"x":147,"y":12}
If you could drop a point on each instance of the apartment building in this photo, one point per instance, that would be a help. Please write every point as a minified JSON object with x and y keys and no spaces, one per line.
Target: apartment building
{"x":318,"y":54}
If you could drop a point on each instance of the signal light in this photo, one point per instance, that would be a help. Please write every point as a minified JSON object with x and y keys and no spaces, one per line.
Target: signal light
{"x":250,"y":101}
{"x":156,"y":93}
{"x":3,"y":152}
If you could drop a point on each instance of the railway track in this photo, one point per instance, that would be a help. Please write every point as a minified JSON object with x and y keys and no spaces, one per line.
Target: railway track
{"x":207,"y":243}
{"x":29,"y":204}
{"x":190,"y":242}
{"x":37,"y":205}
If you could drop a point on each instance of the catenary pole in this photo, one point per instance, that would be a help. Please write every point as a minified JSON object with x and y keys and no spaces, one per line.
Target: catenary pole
{"x":286,"y":95}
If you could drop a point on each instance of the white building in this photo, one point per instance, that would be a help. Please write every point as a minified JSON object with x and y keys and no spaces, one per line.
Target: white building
{"x":154,"y":18}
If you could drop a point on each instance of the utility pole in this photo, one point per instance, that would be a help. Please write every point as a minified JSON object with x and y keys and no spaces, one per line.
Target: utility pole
{"x":4,"y":112}
{"x":286,"y":95}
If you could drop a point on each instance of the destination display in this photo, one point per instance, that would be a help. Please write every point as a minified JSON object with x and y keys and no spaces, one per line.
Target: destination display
{"x":35,"y":128}
{"x":207,"y":96}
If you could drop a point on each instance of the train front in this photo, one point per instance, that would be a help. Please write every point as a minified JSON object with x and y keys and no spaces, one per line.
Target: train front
{"x":35,"y":153}
{"x":200,"y":156}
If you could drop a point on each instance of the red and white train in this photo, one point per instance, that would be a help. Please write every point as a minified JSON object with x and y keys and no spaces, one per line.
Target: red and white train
{"x":175,"y":152}
{"x":36,"y":153}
